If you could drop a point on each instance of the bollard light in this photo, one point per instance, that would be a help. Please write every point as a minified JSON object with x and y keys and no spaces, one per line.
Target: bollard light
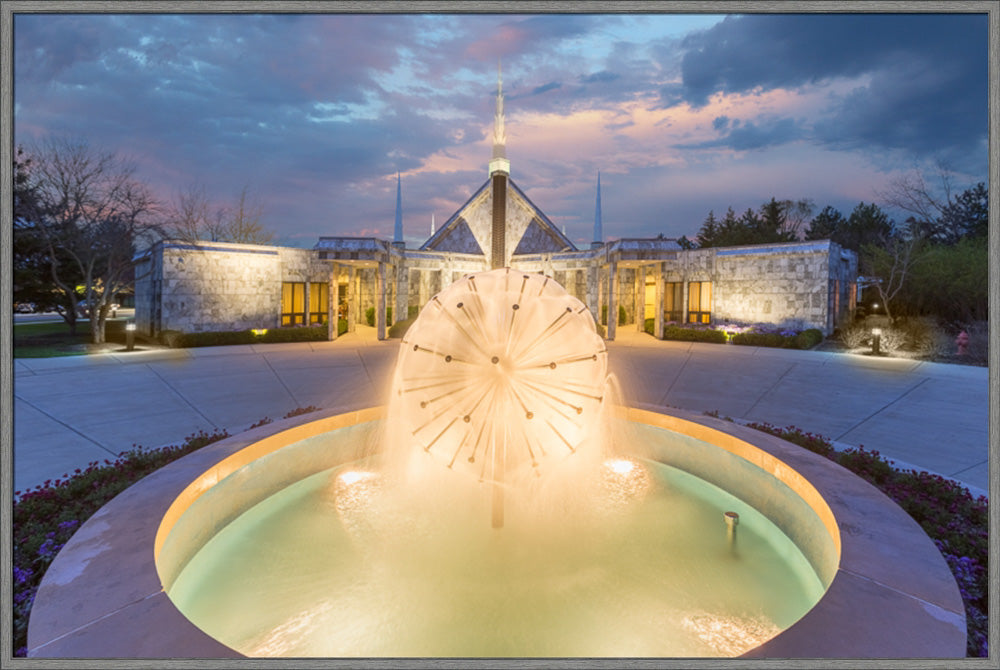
{"x":130,"y":336}
{"x":876,"y":340}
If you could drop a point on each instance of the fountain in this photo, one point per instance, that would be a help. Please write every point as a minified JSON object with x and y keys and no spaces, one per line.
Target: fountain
{"x":505,"y":503}
{"x":500,"y":509}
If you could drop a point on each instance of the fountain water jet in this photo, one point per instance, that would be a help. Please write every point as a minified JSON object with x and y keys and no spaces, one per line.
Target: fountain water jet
{"x":503,"y":371}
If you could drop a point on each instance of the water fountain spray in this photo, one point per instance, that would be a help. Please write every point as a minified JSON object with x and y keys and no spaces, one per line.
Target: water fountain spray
{"x":502,"y":371}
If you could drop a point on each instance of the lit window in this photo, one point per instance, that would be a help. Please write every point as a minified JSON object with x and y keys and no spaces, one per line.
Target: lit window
{"x":319,"y":295}
{"x":699,"y":302}
{"x":293,"y":303}
{"x":673,"y":300}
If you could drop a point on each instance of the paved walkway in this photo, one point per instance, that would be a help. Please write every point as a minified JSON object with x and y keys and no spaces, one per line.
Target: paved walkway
{"x":73,"y":410}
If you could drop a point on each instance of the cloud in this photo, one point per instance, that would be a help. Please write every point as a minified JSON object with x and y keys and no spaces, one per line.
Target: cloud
{"x":750,"y":135}
{"x":316,"y":113}
{"x":921,"y":79}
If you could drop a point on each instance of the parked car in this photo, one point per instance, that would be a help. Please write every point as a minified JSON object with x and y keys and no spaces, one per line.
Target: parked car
{"x":24,"y":307}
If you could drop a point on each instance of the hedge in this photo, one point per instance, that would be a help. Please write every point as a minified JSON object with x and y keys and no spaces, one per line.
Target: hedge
{"x":694,"y":334}
{"x":177,"y":339}
{"x":807,"y":339}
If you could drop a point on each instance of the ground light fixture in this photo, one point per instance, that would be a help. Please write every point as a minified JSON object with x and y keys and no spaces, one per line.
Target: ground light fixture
{"x":130,"y":336}
{"x":876,"y":340}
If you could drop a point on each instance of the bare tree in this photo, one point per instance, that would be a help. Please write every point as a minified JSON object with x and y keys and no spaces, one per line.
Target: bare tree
{"x":797,"y":213}
{"x":191,"y":217}
{"x":890,"y":265}
{"x":243,"y":221}
{"x":92,"y":212}
{"x":925,"y":202}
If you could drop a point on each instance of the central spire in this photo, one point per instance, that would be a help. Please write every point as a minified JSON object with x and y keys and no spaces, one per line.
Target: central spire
{"x":498,"y":161}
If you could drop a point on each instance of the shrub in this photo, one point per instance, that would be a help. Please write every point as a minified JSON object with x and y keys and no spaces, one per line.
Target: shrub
{"x":808,"y":338}
{"x":693,"y":334}
{"x":622,"y":316}
{"x":755,"y":339}
{"x":399,"y":328}
{"x":341,"y":326}
{"x":855,"y":336}
{"x":604,"y":315}
{"x":892,"y":340}
{"x":370,"y":315}
{"x":217,"y":338}
{"x":979,"y":342}
{"x":294,"y":334}
{"x":920,"y":334}
{"x":412,"y":311}
{"x":172,"y":338}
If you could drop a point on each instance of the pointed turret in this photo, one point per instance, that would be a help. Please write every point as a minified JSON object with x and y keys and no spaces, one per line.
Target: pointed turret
{"x":397,"y":238}
{"x":598,"y":227}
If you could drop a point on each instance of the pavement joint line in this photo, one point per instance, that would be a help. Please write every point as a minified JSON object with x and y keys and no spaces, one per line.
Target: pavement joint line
{"x":65,"y":425}
{"x":365,"y":366}
{"x":663,"y":400}
{"x":906,"y":594}
{"x":280,"y":380}
{"x":770,"y":388}
{"x":90,"y":623}
{"x":181,"y":396}
{"x":966,"y":469}
{"x":882,"y":409}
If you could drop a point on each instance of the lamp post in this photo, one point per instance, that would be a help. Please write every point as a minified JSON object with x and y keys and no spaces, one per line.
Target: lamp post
{"x":130,"y":336}
{"x":876,"y":340}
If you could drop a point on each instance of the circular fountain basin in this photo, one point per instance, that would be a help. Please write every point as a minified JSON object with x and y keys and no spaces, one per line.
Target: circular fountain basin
{"x":837,"y":538}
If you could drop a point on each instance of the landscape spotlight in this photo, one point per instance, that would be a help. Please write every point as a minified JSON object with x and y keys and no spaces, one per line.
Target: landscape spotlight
{"x":876,"y":340}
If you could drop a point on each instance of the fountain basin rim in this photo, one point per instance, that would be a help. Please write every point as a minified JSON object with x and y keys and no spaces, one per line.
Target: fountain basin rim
{"x":102,"y":596}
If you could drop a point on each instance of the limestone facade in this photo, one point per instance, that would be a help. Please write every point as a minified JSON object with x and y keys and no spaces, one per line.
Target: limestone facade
{"x":195,"y":287}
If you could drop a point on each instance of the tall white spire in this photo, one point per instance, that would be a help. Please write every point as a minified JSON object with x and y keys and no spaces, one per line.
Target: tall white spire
{"x":432,"y":223}
{"x":398,"y":233}
{"x":498,"y":161}
{"x":598,"y":226}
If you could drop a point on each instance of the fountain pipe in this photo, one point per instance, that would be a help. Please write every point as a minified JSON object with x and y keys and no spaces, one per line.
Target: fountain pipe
{"x":499,"y":456}
{"x":732,"y":520}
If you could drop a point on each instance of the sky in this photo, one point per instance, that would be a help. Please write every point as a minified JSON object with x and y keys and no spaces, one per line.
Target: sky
{"x":315,"y":114}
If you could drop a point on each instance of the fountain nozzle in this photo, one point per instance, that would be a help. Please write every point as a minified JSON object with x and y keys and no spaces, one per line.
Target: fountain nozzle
{"x":732,"y":520}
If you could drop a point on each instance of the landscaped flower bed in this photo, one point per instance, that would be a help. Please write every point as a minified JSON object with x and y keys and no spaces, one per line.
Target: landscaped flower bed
{"x":46,"y":516}
{"x":955,"y":520}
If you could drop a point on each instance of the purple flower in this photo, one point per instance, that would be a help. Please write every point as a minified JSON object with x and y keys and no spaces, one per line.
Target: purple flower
{"x":22,"y":576}
{"x":69,"y":525}
{"x":49,"y":548}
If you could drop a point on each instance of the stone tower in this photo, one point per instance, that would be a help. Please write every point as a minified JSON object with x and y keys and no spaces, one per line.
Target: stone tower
{"x":499,"y":172}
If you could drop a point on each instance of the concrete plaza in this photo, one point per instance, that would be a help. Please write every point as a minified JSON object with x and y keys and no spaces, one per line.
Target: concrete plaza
{"x":71,"y":411}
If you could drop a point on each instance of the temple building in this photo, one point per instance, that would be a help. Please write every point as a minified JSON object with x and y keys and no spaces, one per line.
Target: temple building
{"x":213,"y":286}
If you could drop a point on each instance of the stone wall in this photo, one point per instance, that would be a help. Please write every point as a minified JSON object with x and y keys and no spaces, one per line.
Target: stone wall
{"x":785,"y":285}
{"x":198,"y":287}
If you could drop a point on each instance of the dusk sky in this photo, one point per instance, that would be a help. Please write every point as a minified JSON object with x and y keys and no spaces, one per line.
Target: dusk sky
{"x":681,"y":114}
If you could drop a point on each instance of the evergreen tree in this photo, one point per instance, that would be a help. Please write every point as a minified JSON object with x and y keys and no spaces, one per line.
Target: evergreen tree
{"x":829,"y":224}
{"x":709,"y":231}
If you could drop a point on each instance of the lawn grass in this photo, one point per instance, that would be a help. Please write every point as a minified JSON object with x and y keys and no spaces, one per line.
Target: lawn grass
{"x":52,"y":338}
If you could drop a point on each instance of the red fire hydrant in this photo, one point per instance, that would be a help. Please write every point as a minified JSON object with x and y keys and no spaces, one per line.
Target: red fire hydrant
{"x":962,"y":341}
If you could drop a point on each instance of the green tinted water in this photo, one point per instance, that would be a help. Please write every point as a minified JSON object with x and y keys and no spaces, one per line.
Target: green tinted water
{"x":334,"y":566}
